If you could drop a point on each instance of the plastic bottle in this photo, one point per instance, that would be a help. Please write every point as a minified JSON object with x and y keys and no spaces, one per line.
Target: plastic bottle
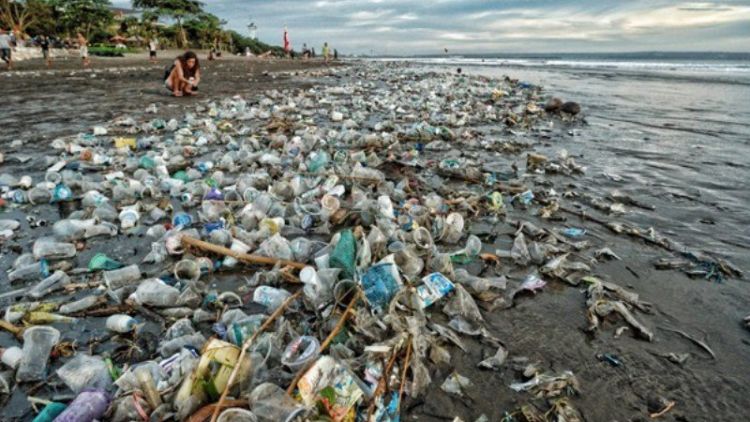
{"x":37,"y":344}
{"x":48,"y":248}
{"x":39,"y":195}
{"x":122,"y":277}
{"x":121,"y":323}
{"x":146,"y":381}
{"x":80,"y":305}
{"x":61,"y":193}
{"x":270,"y":297}
{"x":154,"y":292}
{"x":90,"y":405}
{"x":50,"y":412}
{"x":34,"y":271}
{"x":70,"y":229}
{"x":56,"y":281}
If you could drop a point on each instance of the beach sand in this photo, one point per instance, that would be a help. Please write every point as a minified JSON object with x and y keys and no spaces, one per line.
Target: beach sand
{"x":547,"y":327}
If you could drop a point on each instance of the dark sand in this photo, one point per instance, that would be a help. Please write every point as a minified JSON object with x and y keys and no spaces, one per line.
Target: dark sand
{"x":547,"y":328}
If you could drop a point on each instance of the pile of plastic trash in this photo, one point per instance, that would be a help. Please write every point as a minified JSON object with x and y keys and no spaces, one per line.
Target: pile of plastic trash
{"x":286,"y":256}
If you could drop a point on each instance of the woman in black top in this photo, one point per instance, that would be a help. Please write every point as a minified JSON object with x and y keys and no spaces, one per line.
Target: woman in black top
{"x":184,"y":76}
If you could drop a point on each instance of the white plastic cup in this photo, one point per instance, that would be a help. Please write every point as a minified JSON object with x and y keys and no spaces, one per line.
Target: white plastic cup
{"x":11,"y":357}
{"x":38,"y":342}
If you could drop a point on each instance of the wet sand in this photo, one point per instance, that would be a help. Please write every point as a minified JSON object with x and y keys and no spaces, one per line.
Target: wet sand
{"x":41,"y":103}
{"x":547,"y":327}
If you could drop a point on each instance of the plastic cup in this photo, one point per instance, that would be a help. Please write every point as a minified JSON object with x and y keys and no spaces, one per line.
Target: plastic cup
{"x":237,"y":415}
{"x":300,"y":352}
{"x":37,"y":344}
{"x":187,"y":270}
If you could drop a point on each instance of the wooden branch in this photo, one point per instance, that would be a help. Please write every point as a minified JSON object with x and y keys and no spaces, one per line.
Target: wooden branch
{"x":246,"y":258}
{"x":246,"y":345}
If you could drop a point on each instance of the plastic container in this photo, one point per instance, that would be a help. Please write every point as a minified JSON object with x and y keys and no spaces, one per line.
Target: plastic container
{"x":187,"y":270}
{"x":380,"y":284}
{"x":56,"y":281}
{"x":85,"y":372}
{"x":122,"y":277}
{"x":121,"y":323}
{"x":300,"y":352}
{"x":48,"y":248}
{"x":11,"y":357}
{"x":154,"y":292}
{"x":270,"y":297}
{"x":435,"y":287}
{"x":148,"y":386}
{"x":270,"y":403}
{"x":80,"y":305}
{"x":37,"y":344}
{"x":237,"y":415}
{"x":90,"y":405}
{"x":50,"y":412}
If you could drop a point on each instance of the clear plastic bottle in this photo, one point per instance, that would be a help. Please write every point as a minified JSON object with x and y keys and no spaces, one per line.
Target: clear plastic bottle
{"x":50,"y":249}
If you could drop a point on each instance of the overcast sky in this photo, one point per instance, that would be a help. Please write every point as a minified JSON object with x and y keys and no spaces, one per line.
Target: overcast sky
{"x":484,"y":26}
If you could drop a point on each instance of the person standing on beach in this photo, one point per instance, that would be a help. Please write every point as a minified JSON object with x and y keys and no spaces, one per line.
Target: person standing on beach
{"x":44,"y":44}
{"x":153,"y":45}
{"x":287,"y":43}
{"x":184,"y":75}
{"x":5,"y":52}
{"x":326,"y":53}
{"x":83,"y":48}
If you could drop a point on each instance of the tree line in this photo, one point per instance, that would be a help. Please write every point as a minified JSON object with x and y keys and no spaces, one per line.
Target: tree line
{"x":175,"y":23}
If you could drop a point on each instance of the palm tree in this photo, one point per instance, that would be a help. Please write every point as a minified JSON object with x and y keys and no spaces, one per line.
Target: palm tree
{"x":175,"y":9}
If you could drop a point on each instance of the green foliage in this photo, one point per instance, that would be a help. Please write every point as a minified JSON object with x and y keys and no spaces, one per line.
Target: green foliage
{"x":240,"y":42}
{"x":81,"y":15}
{"x":175,"y":9}
{"x":107,"y":51}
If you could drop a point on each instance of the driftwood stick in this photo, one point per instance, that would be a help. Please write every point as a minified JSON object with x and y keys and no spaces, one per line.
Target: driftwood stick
{"x":403,"y":374}
{"x":700,"y":343}
{"x":382,"y":383}
{"x":246,"y":258}
{"x":327,"y":341}
{"x":246,"y":345}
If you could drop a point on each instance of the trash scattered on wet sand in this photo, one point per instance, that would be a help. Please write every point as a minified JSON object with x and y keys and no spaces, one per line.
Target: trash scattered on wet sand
{"x":302,"y":254}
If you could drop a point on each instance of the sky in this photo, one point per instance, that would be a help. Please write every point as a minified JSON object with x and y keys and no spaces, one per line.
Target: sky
{"x":406,"y":27}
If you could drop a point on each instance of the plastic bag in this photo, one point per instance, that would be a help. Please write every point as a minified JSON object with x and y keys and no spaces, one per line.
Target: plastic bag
{"x":462,"y":304}
{"x":344,"y":253}
{"x":84,"y":371}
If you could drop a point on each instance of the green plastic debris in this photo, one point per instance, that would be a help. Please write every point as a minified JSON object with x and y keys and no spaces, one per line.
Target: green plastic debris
{"x":344,"y":253}
{"x":146,"y":162}
{"x":50,"y":412}
{"x":181,"y":175}
{"x":101,"y":262}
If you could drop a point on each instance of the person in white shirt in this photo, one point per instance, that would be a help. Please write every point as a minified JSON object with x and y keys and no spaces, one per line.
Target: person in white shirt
{"x":5,"y":51}
{"x":153,"y":45}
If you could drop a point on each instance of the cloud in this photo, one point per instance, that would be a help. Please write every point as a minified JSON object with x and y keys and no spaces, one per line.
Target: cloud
{"x":472,"y":26}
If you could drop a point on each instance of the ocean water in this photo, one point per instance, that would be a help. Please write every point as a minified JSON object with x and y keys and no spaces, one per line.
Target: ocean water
{"x":673,"y":130}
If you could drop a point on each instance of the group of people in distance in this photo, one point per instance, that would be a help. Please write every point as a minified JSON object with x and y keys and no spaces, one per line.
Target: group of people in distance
{"x":308,"y":53}
{"x":7,"y":40}
{"x":181,"y":78}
